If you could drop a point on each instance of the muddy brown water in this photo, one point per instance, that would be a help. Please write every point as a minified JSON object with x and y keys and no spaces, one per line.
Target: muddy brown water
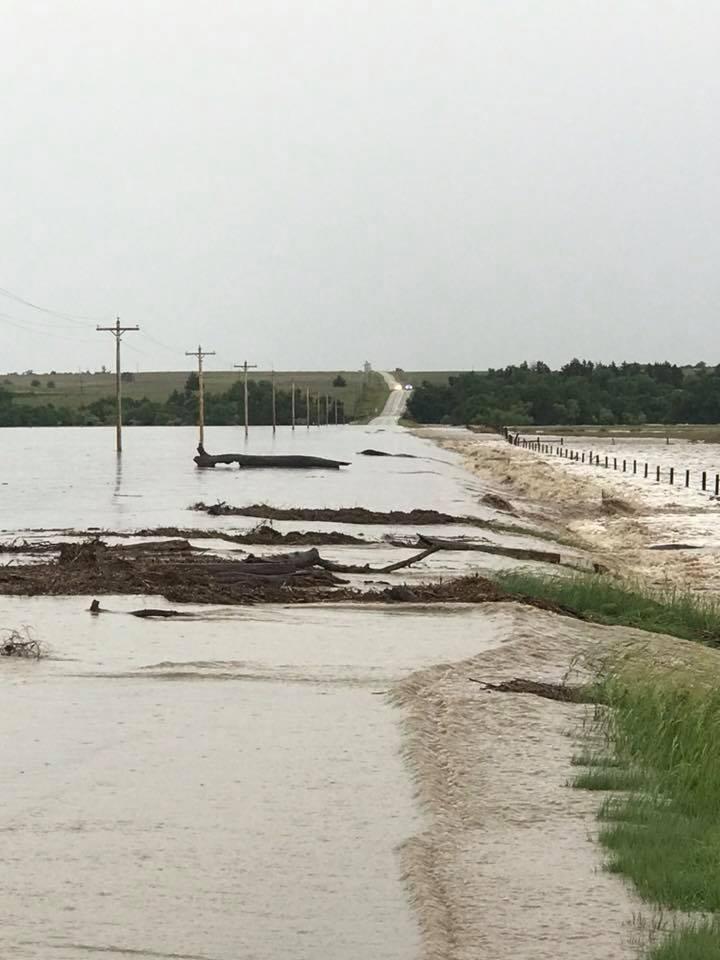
{"x":219,"y":788}
{"x":225,"y":788}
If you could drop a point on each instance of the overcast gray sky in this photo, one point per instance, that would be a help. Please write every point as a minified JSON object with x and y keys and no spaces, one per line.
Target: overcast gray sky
{"x":310,"y":183}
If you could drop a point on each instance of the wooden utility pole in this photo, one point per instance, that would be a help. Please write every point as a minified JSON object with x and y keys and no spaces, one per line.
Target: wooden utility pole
{"x":307,"y":406}
{"x":200,"y":353}
{"x":292,"y":412}
{"x":245,"y":366}
{"x":117,"y":331}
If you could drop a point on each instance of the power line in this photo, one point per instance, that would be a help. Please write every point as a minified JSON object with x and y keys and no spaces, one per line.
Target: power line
{"x":53,"y":313}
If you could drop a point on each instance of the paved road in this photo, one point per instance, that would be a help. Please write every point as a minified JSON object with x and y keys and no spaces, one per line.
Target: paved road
{"x":395,"y":403}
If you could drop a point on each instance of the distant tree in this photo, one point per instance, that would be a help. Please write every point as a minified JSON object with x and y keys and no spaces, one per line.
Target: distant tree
{"x":34,"y":383}
{"x":127,"y":377}
{"x":103,"y":369}
{"x":51,"y":384}
{"x":339,"y":381}
{"x":192,"y":383}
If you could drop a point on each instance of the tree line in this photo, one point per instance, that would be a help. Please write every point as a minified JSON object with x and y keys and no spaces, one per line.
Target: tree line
{"x":581,"y":392}
{"x":180,"y":408}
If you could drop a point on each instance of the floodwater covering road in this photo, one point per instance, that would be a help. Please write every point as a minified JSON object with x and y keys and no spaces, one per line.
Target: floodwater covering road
{"x":242,"y":785}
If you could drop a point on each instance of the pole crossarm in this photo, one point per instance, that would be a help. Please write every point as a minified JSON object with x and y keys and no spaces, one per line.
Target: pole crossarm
{"x":117,"y":331}
{"x":245,"y":366}
{"x":200,"y":354}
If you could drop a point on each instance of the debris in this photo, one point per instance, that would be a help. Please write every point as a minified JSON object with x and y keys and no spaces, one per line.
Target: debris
{"x":563,"y":692}
{"x":243,"y":460}
{"x":16,"y":644}
{"x":416,"y":517}
{"x":497,"y":502}
{"x":381,"y":453}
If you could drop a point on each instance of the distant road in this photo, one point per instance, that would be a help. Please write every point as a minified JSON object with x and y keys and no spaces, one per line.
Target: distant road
{"x":395,"y":404}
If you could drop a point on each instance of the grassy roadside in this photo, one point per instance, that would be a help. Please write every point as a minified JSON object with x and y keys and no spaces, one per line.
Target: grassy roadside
{"x":661,"y":818}
{"x":607,"y":601}
{"x":653,"y":746}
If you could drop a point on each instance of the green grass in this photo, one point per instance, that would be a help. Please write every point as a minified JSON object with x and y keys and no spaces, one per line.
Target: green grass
{"x":607,"y":601}
{"x":77,"y":389}
{"x":700,"y":942}
{"x":661,"y":821}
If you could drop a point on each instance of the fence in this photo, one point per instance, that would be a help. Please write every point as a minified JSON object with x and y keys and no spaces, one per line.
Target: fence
{"x":632,"y":467}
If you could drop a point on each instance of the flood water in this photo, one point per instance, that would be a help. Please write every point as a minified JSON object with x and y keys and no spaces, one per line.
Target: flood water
{"x":224,"y":787}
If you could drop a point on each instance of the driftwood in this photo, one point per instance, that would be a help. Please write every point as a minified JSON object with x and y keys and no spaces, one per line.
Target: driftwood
{"x":243,"y":460}
{"x":366,"y":568}
{"x":563,"y":692}
{"x":381,"y":453}
{"x":516,"y":553}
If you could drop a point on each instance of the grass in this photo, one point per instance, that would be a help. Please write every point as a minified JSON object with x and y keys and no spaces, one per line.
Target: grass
{"x":76,"y":389}
{"x":661,"y":821}
{"x":604,"y":600}
{"x":698,"y":942}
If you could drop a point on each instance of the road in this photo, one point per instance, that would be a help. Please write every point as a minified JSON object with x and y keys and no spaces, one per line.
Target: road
{"x":395,"y":403}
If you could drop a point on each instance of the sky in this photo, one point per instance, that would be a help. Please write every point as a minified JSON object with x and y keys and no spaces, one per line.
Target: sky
{"x":308,"y":184}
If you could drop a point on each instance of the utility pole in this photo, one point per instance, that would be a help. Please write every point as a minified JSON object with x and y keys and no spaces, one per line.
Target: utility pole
{"x":335,"y":403}
{"x":318,"y":410}
{"x":292,"y":412}
{"x":327,"y":410}
{"x":117,"y":331}
{"x":200,"y":353}
{"x":245,"y":366}
{"x":307,"y":406}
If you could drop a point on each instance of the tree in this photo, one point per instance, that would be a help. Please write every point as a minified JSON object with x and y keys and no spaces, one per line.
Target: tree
{"x":192,"y":383}
{"x":51,"y":384}
{"x":35,"y":383}
{"x":339,"y":381}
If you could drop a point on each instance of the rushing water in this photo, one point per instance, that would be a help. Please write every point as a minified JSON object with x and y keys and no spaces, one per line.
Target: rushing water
{"x":224,"y":787}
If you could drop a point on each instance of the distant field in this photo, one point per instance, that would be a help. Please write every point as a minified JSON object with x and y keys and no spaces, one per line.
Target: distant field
{"x":77,"y":389}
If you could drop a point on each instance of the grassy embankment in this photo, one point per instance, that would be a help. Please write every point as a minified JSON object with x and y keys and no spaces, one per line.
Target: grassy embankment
{"x":655,"y":745}
{"x":74,"y":390}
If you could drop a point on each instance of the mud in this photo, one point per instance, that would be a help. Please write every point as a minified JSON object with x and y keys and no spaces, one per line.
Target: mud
{"x":416,"y":517}
{"x":262,"y":535}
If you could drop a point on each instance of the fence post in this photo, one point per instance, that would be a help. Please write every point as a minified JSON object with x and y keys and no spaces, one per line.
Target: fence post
{"x":657,"y":474}
{"x":606,"y":462}
{"x":717,"y":484}
{"x":672,"y":475}
{"x":624,"y":465}
{"x":687,"y":478}
{"x":597,"y":460}
{"x":646,"y":471}
{"x":704,"y":480}
{"x":614,"y":463}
